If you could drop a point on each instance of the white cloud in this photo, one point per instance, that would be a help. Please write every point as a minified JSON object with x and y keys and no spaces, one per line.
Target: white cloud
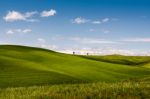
{"x":137,"y":40}
{"x":26,"y":30}
{"x":14,"y":16}
{"x":105,"y":20}
{"x":49,"y":13}
{"x":10,"y":32}
{"x":80,"y":20}
{"x":17,"y":16}
{"x":13,"y":31}
{"x":105,"y":31}
{"x":96,"y":22}
{"x":92,"y":40}
{"x":30,"y":14}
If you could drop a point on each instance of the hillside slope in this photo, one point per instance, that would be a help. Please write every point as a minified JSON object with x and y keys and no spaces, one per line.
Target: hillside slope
{"x":27,"y":66}
{"x":120,"y":59}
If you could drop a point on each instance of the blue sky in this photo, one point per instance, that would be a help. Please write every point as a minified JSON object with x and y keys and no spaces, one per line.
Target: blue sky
{"x":109,"y":26}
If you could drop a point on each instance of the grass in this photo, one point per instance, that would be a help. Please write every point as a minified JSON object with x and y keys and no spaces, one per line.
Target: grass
{"x":120,"y":59}
{"x":35,"y":73}
{"x":28,"y":66}
{"x":120,"y":90}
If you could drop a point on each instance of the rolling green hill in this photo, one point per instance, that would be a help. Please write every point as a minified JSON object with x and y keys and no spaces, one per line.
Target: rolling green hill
{"x":28,"y":66}
{"x":120,"y":59}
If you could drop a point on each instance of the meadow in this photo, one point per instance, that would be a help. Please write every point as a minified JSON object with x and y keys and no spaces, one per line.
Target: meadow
{"x":120,"y":90}
{"x":28,"y":73}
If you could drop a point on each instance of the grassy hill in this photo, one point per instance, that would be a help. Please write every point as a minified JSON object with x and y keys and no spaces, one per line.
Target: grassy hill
{"x":120,"y":59}
{"x":28,"y":66}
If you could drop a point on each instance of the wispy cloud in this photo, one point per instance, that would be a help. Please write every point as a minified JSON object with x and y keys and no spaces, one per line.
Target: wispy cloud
{"x":92,"y":40}
{"x":144,"y":40}
{"x":85,"y":40}
{"x":49,"y":13}
{"x":80,"y":20}
{"x":97,"y":22}
{"x":105,"y":20}
{"x":105,"y":31}
{"x":14,"y":31}
{"x":12,"y":16}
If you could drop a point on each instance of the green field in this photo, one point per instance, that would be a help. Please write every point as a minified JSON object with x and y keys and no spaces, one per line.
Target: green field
{"x":25,"y":67}
{"x":121,"y":90}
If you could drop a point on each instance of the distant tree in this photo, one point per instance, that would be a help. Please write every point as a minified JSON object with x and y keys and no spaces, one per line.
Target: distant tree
{"x":87,"y":54}
{"x":73,"y":53}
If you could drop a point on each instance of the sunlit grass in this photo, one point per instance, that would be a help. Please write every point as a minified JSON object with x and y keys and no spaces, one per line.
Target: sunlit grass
{"x":121,"y":90}
{"x":28,"y":66}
